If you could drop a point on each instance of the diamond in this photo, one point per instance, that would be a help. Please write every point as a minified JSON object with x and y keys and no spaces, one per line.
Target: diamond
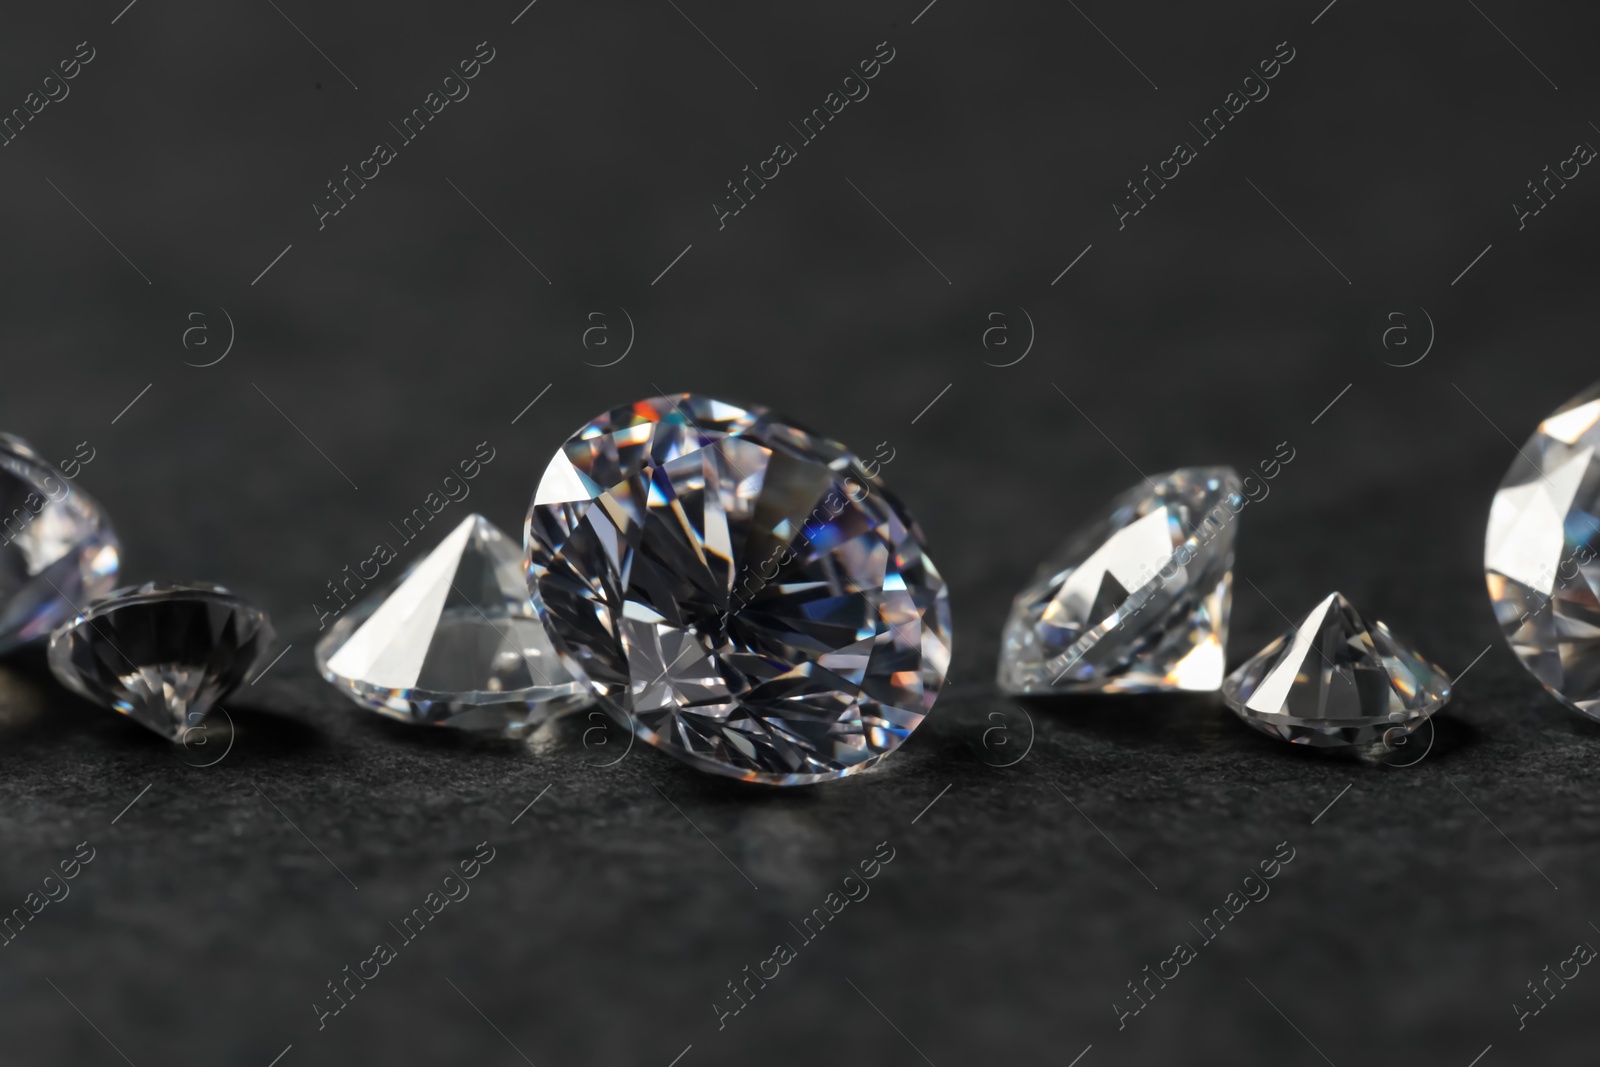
{"x":57,"y":549}
{"x":453,"y":642}
{"x":163,"y":655}
{"x":740,"y":592}
{"x":1138,"y":600}
{"x":1337,"y":681}
{"x":1540,"y":553}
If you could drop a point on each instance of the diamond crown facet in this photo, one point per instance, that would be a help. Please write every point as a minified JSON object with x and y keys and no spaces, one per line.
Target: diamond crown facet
{"x":1336,"y":679}
{"x":57,"y":548}
{"x":1138,"y":599}
{"x":1542,"y":553}
{"x":454,"y":641}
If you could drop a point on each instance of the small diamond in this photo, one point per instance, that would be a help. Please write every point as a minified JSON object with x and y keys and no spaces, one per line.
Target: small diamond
{"x":741,"y":592}
{"x":1138,"y":600}
{"x":163,"y":655}
{"x":1337,"y":681}
{"x":1540,"y":553}
{"x":454,"y":642}
{"x":57,"y":549}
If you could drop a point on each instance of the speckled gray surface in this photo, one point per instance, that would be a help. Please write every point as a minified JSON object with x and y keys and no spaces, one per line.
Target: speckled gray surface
{"x":616,"y":909}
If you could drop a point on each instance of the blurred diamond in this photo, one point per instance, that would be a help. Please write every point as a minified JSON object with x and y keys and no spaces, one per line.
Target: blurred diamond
{"x":1138,"y":600}
{"x":1337,"y":681}
{"x":739,"y":591}
{"x":1540,"y":555}
{"x":454,"y":642}
{"x":163,"y":655}
{"x":57,"y":549}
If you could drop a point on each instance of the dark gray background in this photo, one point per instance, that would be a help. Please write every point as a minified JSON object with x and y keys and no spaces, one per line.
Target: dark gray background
{"x":1208,"y":330}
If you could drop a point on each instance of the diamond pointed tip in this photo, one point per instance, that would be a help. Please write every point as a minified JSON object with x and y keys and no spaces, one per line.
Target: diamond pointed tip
{"x":477,"y":524}
{"x":454,"y":641}
{"x":1336,"y":680}
{"x":1135,"y":601}
{"x":161,"y":654}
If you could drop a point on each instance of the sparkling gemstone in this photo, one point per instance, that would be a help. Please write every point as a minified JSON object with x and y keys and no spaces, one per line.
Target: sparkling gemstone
{"x":742,"y":593}
{"x":454,"y":641}
{"x":1540,"y":553}
{"x":57,"y":549}
{"x":1337,"y":681}
{"x":163,"y":655}
{"x":1137,"y":600}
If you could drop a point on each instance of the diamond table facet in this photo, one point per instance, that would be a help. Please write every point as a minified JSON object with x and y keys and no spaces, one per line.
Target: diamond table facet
{"x":454,"y":642}
{"x":1337,"y":681}
{"x":163,"y":655}
{"x":741,"y":592}
{"x":1540,"y":553}
{"x":1136,"y":601}
{"x":57,"y":548}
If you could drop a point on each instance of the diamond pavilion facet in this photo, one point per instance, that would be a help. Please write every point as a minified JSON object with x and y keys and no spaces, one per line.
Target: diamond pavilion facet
{"x":1540,"y":554}
{"x":163,"y":655}
{"x":1136,"y":601}
{"x":454,"y":642}
{"x":741,"y":592}
{"x":1337,"y":681}
{"x":57,"y":549}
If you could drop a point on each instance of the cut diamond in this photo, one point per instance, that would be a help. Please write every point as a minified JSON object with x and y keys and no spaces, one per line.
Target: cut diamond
{"x":741,"y":592}
{"x":1138,"y":600}
{"x":1540,"y":553}
{"x":454,"y":642}
{"x":163,"y":655}
{"x":57,"y":549}
{"x":1337,"y":681}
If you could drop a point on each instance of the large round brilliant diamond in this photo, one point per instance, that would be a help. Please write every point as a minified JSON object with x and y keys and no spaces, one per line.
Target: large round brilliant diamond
{"x":57,"y":548}
{"x":1542,"y":553}
{"x":741,"y":592}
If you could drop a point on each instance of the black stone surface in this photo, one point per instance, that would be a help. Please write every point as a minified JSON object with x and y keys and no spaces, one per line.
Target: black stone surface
{"x":378,"y":352}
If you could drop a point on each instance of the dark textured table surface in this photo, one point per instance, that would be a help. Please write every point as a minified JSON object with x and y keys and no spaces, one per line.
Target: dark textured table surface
{"x":972,"y":190}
